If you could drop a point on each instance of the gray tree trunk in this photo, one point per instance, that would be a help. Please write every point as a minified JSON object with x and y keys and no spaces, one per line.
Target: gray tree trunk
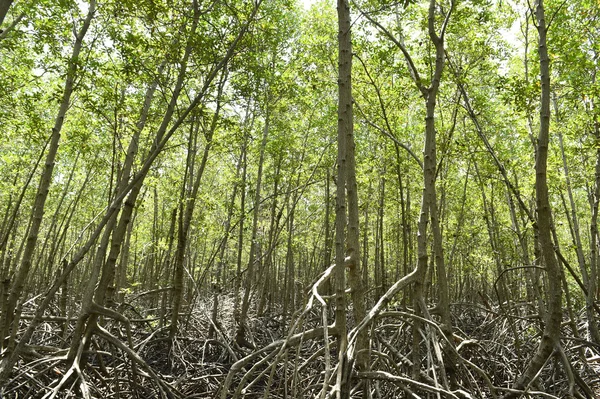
{"x":551,"y":333}
{"x":4,"y":6}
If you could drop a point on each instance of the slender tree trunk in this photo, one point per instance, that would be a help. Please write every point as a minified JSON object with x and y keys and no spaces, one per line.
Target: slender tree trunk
{"x":345,"y":126}
{"x":380,"y":282}
{"x":6,"y":261}
{"x":4,"y":6}
{"x":121,"y":275}
{"x":151,"y":275}
{"x":430,"y":165}
{"x":188,"y":206}
{"x":289,"y":273}
{"x":551,"y":334}
{"x":365,"y":244}
{"x":51,"y":238}
{"x":380,"y":216}
{"x":266,"y":290}
{"x":166,"y":272}
{"x":574,"y":222}
{"x":241,"y":338}
{"x":573,"y":217}
{"x":327,"y":248}
{"x":594,"y":243}
{"x":494,"y":245}
{"x":10,"y":217}
{"x":406,"y":227}
{"x":57,"y":247}
{"x":217,"y":288}
{"x":430,"y":202}
{"x":355,"y":280}
{"x":240,"y":241}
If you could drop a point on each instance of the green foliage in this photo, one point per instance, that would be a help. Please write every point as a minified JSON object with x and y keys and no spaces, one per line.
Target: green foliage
{"x":285,"y":70}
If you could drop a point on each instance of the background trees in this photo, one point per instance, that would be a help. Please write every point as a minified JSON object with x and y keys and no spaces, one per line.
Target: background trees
{"x":174,"y":189}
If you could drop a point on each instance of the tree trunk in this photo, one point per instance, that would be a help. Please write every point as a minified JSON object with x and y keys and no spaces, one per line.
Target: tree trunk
{"x":266,"y":283}
{"x":406,"y":227}
{"x":10,"y":216}
{"x":188,"y":203}
{"x":221,"y":259}
{"x":574,"y":223}
{"x":241,"y":337}
{"x":290,"y":272}
{"x":345,"y":127}
{"x":327,"y":248}
{"x":4,"y":6}
{"x":240,"y":241}
{"x":594,"y":242}
{"x":551,"y":333}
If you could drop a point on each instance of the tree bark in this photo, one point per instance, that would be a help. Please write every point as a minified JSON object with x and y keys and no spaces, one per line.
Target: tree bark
{"x":327,"y":248}
{"x":551,"y":334}
{"x":240,"y":240}
{"x":4,"y":6}
{"x":345,"y":123}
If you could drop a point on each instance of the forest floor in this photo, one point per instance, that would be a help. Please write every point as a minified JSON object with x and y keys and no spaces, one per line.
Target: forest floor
{"x":203,"y":360}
